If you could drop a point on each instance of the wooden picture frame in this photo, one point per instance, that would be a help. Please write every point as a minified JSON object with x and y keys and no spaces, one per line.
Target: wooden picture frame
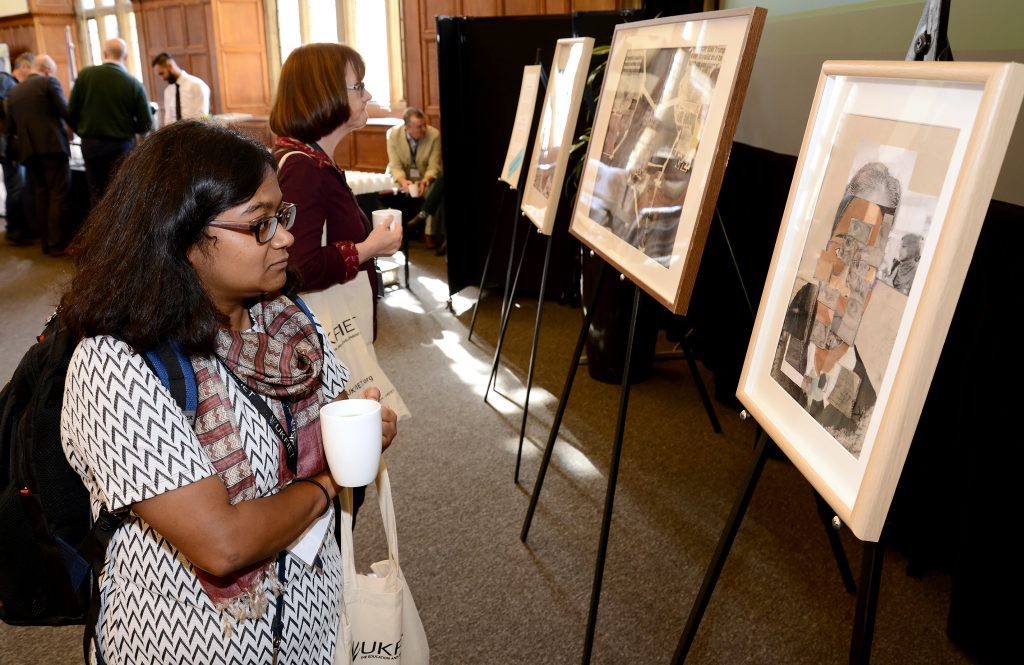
{"x":898,"y":165}
{"x":664,"y":125}
{"x":521,"y":126}
{"x":554,"y":134}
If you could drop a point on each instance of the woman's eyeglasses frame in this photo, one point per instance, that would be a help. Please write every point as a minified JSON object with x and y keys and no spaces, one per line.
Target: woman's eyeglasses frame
{"x":264,"y":226}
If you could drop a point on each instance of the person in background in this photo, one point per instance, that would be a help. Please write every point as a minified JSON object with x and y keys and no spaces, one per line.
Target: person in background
{"x":414,"y":161}
{"x":185,"y":96}
{"x":320,"y":100}
{"x":108,"y":109}
{"x":19,"y":231}
{"x":200,"y":571}
{"x":36,"y":115}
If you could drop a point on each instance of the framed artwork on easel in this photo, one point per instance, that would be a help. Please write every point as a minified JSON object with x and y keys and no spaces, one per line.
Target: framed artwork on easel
{"x":664,"y":125}
{"x":896,"y":171}
{"x":554,"y":134}
{"x":521,"y":126}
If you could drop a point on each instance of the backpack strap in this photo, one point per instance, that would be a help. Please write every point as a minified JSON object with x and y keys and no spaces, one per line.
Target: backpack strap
{"x":94,"y":550}
{"x":174,"y":370}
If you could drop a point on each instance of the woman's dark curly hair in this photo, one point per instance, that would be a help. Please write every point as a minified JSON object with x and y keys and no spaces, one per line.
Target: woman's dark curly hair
{"x":132,"y":275}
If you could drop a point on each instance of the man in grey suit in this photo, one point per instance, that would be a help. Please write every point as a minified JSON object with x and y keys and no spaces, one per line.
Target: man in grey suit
{"x":36,"y":113}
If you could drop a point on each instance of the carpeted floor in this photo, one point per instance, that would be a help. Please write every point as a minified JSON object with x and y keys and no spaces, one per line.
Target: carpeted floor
{"x":485,"y":597}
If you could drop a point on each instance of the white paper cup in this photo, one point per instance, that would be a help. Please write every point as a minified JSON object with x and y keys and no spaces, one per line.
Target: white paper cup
{"x":414,"y":189}
{"x":351,"y":430}
{"x":381,"y":216}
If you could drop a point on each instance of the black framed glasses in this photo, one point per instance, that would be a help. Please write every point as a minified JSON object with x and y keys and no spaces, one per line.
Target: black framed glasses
{"x":356,"y":87}
{"x":263,"y":228}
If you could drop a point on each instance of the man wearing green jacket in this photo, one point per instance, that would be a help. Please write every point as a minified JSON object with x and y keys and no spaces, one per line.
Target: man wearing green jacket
{"x":108,"y":108}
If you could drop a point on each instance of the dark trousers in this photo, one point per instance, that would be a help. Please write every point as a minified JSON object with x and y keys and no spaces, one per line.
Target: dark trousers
{"x":50,"y":179}
{"x":101,"y":159}
{"x":18,"y":227}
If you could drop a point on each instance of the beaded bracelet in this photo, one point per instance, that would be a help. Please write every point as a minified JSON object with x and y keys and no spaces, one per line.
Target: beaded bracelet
{"x":303,"y":479}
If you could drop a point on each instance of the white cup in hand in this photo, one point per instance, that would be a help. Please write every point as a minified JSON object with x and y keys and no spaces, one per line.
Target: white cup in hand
{"x":381,"y":216}
{"x":414,"y":189}
{"x":351,"y":431}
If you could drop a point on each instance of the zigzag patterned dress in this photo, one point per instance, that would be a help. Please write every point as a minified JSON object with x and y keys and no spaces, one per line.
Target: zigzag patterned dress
{"x":126,"y":437}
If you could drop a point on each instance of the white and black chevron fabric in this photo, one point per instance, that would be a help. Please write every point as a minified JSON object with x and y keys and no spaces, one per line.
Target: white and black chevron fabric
{"x":126,"y":437}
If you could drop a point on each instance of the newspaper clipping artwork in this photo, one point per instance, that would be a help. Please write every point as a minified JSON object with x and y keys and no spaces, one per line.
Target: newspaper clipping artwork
{"x":654,"y":130}
{"x":856,"y":273}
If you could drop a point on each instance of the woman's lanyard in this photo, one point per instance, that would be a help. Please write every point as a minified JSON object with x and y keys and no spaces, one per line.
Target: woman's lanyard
{"x":288,"y":438}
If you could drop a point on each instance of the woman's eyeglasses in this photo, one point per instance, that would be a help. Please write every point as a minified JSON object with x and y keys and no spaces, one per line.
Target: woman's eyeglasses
{"x":265,"y":227}
{"x":356,"y":87}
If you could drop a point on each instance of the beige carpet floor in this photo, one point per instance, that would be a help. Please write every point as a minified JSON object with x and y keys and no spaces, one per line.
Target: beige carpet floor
{"x":485,"y":597}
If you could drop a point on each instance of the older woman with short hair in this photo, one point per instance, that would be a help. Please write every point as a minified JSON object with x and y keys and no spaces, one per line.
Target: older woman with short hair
{"x":320,"y":100}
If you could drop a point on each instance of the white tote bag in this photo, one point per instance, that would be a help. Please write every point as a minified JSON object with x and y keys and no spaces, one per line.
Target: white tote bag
{"x":346,"y":313}
{"x":379,"y":621}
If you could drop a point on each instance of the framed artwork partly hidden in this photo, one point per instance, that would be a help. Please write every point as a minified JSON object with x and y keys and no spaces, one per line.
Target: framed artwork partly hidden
{"x":554,"y":136}
{"x":521,"y":127}
{"x":669,"y":104}
{"x":895,"y":174}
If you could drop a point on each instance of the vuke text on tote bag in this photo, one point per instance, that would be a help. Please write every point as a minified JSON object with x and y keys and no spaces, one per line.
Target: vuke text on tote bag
{"x":379,"y":621}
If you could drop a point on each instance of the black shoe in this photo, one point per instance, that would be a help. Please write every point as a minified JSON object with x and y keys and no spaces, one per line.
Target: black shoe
{"x":443,"y":249}
{"x":57,"y":250}
{"x":17,"y":239}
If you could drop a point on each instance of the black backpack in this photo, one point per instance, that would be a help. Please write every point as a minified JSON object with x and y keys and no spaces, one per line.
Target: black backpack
{"x":48,"y":541}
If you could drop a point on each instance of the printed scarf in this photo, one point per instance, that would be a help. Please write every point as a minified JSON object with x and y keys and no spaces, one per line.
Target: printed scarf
{"x":283,"y":362}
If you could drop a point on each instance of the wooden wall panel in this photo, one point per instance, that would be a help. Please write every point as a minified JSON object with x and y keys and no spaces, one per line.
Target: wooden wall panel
{"x":152,"y":28}
{"x":523,"y":7}
{"x":432,"y":8}
{"x":241,"y":56}
{"x":37,"y":7}
{"x":19,"y":34}
{"x":412,"y":46}
{"x":556,"y":7}
{"x":371,"y":153}
{"x":175,"y":27}
{"x":240,"y":71}
{"x":50,"y":40}
{"x":481,"y":8}
{"x":196,"y":26}
{"x":240,"y":22}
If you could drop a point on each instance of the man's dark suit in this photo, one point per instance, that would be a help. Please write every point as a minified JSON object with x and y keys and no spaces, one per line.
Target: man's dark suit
{"x":36,"y":109}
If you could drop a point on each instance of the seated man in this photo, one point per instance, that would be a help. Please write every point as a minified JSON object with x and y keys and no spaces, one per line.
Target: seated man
{"x":414,"y":160}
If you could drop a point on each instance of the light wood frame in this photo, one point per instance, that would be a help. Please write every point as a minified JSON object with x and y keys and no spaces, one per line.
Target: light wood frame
{"x":978,"y":103}
{"x":555,"y":131}
{"x":520,"y":136}
{"x":645,"y":202}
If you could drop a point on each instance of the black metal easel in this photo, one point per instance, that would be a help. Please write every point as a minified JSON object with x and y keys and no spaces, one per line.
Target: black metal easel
{"x":509,"y":296}
{"x":930,"y":43}
{"x":487,"y":263}
{"x":541,"y":87}
{"x":533,"y":354}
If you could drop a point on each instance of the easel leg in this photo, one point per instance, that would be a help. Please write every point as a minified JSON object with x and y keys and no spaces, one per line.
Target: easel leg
{"x":732,"y":526}
{"x":563,"y":402}
{"x":867,"y":603}
{"x":506,"y":316}
{"x":533,"y":356}
{"x":487,"y":264}
{"x":405,"y":253}
{"x":826,"y":513}
{"x":701,"y":387}
{"x":609,"y":500}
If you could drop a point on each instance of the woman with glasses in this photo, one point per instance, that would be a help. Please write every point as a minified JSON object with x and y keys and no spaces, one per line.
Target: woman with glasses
{"x":320,"y":100}
{"x":192,"y":246}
